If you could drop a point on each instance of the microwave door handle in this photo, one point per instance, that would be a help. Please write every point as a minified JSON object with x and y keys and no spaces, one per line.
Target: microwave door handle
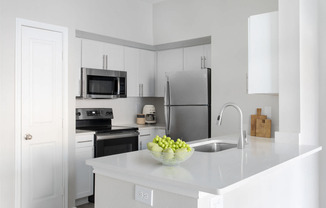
{"x":118,"y":93}
{"x":118,"y":87}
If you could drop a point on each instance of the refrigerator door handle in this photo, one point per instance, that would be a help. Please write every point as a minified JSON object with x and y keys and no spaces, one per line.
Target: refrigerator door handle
{"x":167,"y":119}
{"x":167,"y":93}
{"x":167,"y":97}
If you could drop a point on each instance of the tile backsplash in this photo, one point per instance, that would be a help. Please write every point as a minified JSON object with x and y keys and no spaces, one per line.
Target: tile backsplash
{"x":125,"y":110}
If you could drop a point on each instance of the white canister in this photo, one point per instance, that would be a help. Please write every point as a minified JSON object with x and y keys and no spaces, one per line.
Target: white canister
{"x":141,"y":119}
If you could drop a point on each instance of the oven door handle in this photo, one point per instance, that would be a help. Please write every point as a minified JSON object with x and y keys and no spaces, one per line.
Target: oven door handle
{"x":116,"y":136}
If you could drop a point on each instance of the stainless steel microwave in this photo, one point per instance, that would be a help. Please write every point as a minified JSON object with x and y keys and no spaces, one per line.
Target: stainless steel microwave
{"x":100,"y":83}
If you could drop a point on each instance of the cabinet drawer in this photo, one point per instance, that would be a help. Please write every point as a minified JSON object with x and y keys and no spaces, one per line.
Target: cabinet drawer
{"x":144,"y":132}
{"x":84,"y":141}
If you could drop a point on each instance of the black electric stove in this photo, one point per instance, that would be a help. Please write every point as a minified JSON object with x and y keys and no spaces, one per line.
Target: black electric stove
{"x":108,"y":139}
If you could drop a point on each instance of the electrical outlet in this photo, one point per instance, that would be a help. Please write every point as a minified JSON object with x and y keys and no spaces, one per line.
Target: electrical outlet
{"x":144,"y":195}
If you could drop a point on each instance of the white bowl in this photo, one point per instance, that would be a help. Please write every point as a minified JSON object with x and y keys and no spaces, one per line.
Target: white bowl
{"x":171,"y":159}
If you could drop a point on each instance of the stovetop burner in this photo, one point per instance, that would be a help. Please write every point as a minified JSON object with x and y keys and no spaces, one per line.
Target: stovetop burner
{"x":98,"y":120}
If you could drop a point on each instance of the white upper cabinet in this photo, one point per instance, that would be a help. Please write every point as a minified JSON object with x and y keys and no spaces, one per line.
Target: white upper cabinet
{"x":101,"y":55}
{"x":208,"y":56}
{"x":115,"y":56}
{"x":197,"y":57}
{"x":263,"y":53}
{"x":132,"y":68}
{"x":140,"y":67}
{"x":167,"y":61}
{"x":93,"y":54}
{"x":146,"y":75}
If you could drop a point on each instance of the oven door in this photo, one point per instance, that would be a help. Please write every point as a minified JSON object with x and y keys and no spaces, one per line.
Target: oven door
{"x":116,"y":143}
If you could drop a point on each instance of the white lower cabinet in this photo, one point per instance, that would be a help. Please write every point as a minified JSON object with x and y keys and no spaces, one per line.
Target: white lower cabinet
{"x":147,"y":135}
{"x":160,"y":132}
{"x":84,"y":173}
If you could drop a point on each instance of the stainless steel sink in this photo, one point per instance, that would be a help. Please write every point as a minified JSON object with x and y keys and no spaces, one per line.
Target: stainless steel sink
{"x":214,"y":147}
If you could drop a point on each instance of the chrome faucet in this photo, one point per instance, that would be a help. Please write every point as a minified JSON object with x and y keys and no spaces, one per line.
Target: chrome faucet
{"x":242,"y":138}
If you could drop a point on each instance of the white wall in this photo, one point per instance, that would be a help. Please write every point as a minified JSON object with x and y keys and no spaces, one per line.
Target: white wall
{"x":322,"y":101}
{"x":299,"y":88}
{"x":309,"y":72}
{"x":226,"y":22}
{"x":125,"y":19}
{"x":289,"y":64}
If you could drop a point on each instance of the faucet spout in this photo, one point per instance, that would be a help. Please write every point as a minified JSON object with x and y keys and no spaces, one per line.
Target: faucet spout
{"x":241,"y":141}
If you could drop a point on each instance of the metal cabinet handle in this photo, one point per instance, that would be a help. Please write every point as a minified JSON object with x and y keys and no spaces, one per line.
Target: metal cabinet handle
{"x":28,"y":137}
{"x":204,"y":58}
{"x":103,"y":61}
{"x":107,"y":61}
{"x":201,"y":62}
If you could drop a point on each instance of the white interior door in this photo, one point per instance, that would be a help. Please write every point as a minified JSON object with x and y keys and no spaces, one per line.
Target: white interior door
{"x":42,"y":177}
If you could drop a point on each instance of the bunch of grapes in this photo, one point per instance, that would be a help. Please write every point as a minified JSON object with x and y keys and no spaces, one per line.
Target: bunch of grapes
{"x":166,"y":142}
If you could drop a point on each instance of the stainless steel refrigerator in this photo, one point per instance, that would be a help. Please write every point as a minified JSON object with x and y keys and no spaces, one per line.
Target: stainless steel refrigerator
{"x":187,"y":104}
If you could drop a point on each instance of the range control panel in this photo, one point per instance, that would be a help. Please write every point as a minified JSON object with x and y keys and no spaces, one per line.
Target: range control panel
{"x":94,"y":113}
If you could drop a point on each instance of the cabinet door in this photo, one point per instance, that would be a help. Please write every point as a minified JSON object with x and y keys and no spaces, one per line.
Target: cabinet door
{"x":131,"y":66}
{"x":263,"y":53}
{"x":115,"y":56}
{"x":92,"y":54}
{"x":193,"y":58}
{"x":78,"y":53}
{"x":167,"y":61}
{"x":145,"y":136}
{"x":207,"y":56}
{"x":146,"y":74}
{"x":197,"y":57}
{"x":160,"y":132}
{"x":84,"y":173}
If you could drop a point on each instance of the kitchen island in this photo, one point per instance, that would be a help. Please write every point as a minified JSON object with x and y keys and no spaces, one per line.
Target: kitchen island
{"x":261,"y":175}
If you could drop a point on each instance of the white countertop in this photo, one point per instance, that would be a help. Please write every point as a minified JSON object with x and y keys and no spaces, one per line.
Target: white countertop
{"x":215,"y":173}
{"x":80,"y":132}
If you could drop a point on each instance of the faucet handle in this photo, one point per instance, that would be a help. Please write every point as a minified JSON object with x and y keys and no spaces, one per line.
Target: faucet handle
{"x":244,"y":133}
{"x":219,"y":120}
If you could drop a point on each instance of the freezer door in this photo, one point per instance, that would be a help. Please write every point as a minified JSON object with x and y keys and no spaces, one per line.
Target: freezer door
{"x":189,"y":122}
{"x":189,"y":87}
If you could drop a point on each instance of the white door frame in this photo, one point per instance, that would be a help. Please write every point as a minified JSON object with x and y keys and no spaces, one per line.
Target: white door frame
{"x":18,"y":103}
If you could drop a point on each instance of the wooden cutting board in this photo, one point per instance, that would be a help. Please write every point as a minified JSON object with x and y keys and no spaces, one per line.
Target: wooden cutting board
{"x":253,"y":121}
{"x":263,"y":128}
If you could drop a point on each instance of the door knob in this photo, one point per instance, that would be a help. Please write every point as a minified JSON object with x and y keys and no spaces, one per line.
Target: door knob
{"x":28,"y":137}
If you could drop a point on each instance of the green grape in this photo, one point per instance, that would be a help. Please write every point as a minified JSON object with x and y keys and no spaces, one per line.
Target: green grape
{"x":166,"y":142}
